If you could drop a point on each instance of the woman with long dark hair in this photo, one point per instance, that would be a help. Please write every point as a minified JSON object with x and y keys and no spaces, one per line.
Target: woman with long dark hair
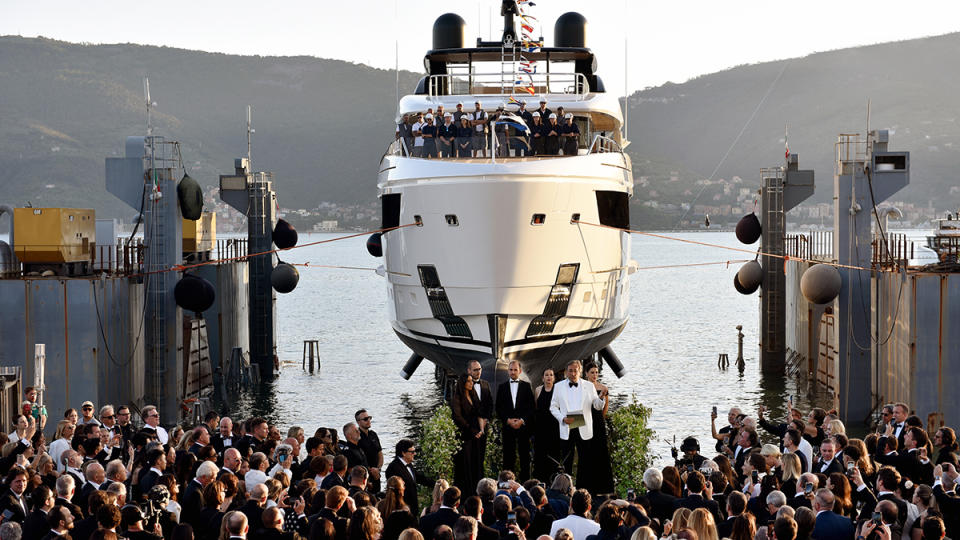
{"x":468,"y":463}
{"x":546,"y":434}
{"x":600,"y":479}
{"x":394,"y":512}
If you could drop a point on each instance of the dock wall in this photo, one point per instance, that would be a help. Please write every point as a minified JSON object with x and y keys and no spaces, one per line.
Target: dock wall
{"x":93,"y":332}
{"x":915,"y":329}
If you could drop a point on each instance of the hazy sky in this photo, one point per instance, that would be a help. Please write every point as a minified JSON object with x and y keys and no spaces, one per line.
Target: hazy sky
{"x":669,"y":40}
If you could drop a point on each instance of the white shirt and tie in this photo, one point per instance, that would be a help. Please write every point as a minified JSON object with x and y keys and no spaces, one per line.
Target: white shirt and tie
{"x":514,"y":386}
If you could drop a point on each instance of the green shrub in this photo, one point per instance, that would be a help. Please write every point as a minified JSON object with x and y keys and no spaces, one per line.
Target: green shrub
{"x":493,"y":457}
{"x":630,"y":453}
{"x":439,"y":444}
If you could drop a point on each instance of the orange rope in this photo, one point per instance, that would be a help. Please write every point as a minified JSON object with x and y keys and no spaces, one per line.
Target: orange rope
{"x":742,"y":250}
{"x":182,"y":267}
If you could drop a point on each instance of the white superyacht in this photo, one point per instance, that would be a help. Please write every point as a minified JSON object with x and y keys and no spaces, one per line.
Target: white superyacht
{"x":506,"y":259}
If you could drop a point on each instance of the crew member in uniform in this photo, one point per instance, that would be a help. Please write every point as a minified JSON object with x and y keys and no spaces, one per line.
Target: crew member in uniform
{"x":536,"y":134}
{"x":543,"y":110}
{"x":570,"y":133}
{"x":479,"y":121}
{"x":523,"y":139}
{"x":457,"y":114}
{"x":572,"y":400}
{"x":446,"y":135}
{"x":551,"y":138}
{"x":404,"y":132}
{"x":429,"y":133}
{"x":464,"y":137}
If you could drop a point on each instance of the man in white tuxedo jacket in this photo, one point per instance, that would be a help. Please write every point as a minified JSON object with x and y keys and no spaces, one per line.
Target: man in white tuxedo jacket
{"x":575,"y":396}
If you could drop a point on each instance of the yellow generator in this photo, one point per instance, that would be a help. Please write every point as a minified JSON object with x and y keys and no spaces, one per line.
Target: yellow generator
{"x":199,"y":237}
{"x":59,"y":240}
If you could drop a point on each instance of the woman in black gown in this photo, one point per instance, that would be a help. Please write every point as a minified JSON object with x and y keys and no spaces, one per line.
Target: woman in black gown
{"x":600,"y":479}
{"x":468,"y":463}
{"x":546,"y":436}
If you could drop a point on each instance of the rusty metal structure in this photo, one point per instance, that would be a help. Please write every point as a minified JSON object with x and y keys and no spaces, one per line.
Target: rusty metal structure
{"x":893,"y":333}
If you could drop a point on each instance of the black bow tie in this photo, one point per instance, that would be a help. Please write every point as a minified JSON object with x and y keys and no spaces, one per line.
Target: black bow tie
{"x":514,"y":382}
{"x":573,"y":385}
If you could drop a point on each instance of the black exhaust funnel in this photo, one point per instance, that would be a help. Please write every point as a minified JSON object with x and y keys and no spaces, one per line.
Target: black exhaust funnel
{"x":411,"y":366}
{"x":615,"y":364}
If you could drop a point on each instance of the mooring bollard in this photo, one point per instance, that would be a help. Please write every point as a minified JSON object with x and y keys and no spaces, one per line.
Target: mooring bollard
{"x":311,"y":353}
{"x":723,"y":362}
{"x":740,"y":363}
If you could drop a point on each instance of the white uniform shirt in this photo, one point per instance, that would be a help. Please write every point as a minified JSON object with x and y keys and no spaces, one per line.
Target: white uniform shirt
{"x":418,"y":141}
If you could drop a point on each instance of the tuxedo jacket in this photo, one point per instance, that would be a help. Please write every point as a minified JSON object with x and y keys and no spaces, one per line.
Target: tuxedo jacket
{"x":832,"y":526}
{"x":9,"y":503}
{"x":486,"y":400}
{"x":410,"y":480}
{"x":525,"y":407}
{"x":443,"y":516}
{"x":564,"y":402}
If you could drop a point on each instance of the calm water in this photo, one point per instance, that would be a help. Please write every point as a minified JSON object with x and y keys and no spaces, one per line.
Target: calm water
{"x":681,"y":319}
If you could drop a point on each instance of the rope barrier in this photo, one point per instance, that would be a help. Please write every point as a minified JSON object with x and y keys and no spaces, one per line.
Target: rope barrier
{"x":183,"y":267}
{"x":730,"y":248}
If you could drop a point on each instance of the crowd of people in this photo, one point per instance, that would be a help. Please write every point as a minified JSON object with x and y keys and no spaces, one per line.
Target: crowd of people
{"x":102,"y":478}
{"x":459,"y":133}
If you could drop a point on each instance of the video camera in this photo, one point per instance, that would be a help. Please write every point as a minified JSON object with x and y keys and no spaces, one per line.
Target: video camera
{"x":157,"y":499}
{"x":689,"y":447}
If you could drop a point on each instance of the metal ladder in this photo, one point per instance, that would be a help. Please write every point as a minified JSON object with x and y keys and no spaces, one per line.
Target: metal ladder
{"x":508,"y":66}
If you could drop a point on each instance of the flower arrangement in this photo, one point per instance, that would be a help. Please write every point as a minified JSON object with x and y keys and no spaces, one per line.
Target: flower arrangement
{"x":630,"y":453}
{"x":439,"y":444}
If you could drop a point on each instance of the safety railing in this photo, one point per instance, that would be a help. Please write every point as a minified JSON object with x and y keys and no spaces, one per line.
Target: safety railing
{"x":815,"y":245}
{"x":603,"y":144}
{"x":493,"y":84}
{"x":895,"y":252}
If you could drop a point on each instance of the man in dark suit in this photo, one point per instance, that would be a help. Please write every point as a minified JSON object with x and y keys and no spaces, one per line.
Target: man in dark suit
{"x":830,"y":525}
{"x":253,"y":508}
{"x":224,"y":438}
{"x":944,"y":491}
{"x":339,"y":475}
{"x":192,"y":496}
{"x":37,"y":525}
{"x":700,"y":495}
{"x":402,"y":466}
{"x":898,"y":424}
{"x":888,"y":481}
{"x":515,"y":408}
{"x":65,"y":490}
{"x":909,"y":462}
{"x":447,"y":514}
{"x":13,"y":505}
{"x":736,"y":505}
{"x":157,"y":461}
{"x":335,"y":499}
{"x":473,"y":507}
{"x":828,"y":463}
{"x":800,"y":498}
{"x":661,"y":504}
{"x":60,"y":524}
{"x":482,"y":390}
{"x":231,"y":463}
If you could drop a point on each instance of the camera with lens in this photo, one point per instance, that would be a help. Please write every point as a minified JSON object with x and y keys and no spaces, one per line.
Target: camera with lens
{"x":157,"y":499}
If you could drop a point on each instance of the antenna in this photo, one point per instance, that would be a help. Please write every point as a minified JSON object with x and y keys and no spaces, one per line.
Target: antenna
{"x":146,"y":98}
{"x":626,"y":74}
{"x":250,"y":131}
{"x":868,"y":123}
{"x":396,"y":51}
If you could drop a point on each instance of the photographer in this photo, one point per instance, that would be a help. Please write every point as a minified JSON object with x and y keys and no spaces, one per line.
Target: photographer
{"x":132,"y":524}
{"x":691,"y":460}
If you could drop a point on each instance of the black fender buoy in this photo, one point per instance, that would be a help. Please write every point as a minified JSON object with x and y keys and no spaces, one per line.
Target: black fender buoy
{"x":194,"y":293}
{"x":284,"y":235}
{"x":820,"y":284}
{"x":284,"y":278}
{"x":374,"y":245}
{"x":190,"y":195}
{"x":750,"y":276}
{"x":740,"y":289}
{"x":748,"y":228}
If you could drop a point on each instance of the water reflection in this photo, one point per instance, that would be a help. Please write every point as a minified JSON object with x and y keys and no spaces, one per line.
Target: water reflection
{"x":681,"y":320}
